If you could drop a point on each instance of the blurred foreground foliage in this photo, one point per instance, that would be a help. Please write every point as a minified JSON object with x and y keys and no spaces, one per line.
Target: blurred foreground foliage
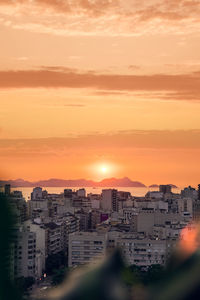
{"x":24,"y":283}
{"x":132,"y":275}
{"x":55,"y":261}
{"x":111,"y":280}
{"x":59,"y":276}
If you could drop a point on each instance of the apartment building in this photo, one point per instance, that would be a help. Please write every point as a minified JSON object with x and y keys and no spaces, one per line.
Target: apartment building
{"x":109,"y":200}
{"x":54,"y":238}
{"x":24,"y":252}
{"x":142,"y":251}
{"x":86,"y":247}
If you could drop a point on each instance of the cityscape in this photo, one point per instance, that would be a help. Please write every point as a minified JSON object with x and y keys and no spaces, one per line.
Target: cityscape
{"x":73,"y":228}
{"x":99,"y":149}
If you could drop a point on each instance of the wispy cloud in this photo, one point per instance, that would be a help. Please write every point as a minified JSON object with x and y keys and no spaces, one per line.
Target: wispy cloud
{"x":165,"y":86}
{"x":122,"y":140}
{"x":102,"y":17}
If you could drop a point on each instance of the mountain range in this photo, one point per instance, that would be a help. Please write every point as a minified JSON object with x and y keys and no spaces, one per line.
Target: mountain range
{"x":54,"y":182}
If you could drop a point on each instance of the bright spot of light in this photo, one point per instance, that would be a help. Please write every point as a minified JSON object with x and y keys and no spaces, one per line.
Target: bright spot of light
{"x":104,"y":169}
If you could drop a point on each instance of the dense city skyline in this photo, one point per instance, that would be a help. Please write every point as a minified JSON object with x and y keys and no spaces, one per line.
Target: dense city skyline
{"x":100,"y":87}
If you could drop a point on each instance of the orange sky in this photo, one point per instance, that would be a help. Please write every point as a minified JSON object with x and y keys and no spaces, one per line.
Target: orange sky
{"x":85,"y":83}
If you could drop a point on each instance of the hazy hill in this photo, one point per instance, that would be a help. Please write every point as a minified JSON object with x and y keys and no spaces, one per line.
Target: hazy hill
{"x":54,"y":182}
{"x":157,"y":185}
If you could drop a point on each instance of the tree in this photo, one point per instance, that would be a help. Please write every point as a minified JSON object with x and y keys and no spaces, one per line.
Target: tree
{"x":135,"y":274}
{"x":24,"y":283}
{"x":154,"y":273}
{"x":54,"y":262}
{"x":128,"y":276}
{"x":59,"y":276}
{"x":8,"y":289}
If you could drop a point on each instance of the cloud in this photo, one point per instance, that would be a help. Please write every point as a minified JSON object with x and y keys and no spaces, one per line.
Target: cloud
{"x":74,"y":105}
{"x":22,"y":58}
{"x":102,"y":17}
{"x":102,"y":143}
{"x":134,"y":67}
{"x":165,"y":86}
{"x":94,"y":8}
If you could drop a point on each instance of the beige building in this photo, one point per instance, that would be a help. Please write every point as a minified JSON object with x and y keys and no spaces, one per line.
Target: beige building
{"x":38,"y":207}
{"x":54,"y":238}
{"x":152,"y":204}
{"x":24,"y":253}
{"x":185,"y":205}
{"x":145,"y":220}
{"x":40,"y":234}
{"x":109,"y":200}
{"x":86,"y":247}
{"x":142,"y":252}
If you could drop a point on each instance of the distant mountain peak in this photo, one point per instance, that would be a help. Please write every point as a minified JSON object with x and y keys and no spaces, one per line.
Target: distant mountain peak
{"x":157,"y":185}
{"x":55,"y":182}
{"x":20,"y":180}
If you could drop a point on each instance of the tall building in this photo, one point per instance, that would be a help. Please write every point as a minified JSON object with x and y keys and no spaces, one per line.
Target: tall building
{"x":165,"y":189}
{"x":40,"y":204}
{"x":54,"y":238}
{"x":189,"y":192}
{"x":109,"y":200}
{"x":81,"y":193}
{"x":199,"y":192}
{"x":196,"y":206}
{"x":7,"y":189}
{"x":24,"y":253}
{"x":95,"y":218}
{"x":19,"y":206}
{"x":40,"y":236}
{"x":68,"y":193}
{"x":37,"y":193}
{"x":71,"y":224}
{"x":84,"y":219}
{"x":185,"y":206}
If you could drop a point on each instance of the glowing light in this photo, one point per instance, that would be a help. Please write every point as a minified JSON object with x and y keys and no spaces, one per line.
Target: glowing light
{"x":104,"y":169}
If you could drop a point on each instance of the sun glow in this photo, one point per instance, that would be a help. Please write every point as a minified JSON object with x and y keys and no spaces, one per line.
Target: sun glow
{"x":104,"y":169}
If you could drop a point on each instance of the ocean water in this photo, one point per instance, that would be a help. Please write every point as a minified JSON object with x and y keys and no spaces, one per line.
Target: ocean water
{"x":135,"y":191}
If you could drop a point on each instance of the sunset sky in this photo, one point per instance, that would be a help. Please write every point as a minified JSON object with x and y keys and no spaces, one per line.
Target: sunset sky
{"x":92,"y":84}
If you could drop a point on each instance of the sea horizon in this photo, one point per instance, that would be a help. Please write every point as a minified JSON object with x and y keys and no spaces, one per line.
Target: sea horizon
{"x":135,"y":191}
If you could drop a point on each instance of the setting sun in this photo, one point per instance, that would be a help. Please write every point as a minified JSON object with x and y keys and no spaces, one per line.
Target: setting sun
{"x":104,"y":169}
